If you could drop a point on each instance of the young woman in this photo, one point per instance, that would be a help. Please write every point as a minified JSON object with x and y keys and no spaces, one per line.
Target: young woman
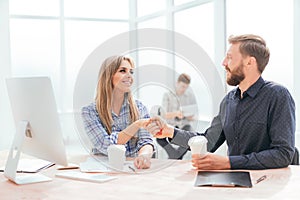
{"x":115,"y":117}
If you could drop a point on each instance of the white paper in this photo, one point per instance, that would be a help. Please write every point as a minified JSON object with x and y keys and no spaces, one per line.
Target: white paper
{"x":31,"y":165}
{"x":93,"y":165}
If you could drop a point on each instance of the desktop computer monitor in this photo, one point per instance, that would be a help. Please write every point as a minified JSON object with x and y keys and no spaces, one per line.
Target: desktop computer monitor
{"x":38,"y":130}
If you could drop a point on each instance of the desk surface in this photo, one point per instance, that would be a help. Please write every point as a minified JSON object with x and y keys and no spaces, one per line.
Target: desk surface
{"x":173,"y":182}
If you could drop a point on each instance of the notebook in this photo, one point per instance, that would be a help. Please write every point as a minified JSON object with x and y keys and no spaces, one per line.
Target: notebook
{"x":31,"y":165}
{"x":223,"y":179}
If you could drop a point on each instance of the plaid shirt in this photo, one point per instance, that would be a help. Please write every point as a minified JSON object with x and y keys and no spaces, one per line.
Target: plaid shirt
{"x":100,"y":137}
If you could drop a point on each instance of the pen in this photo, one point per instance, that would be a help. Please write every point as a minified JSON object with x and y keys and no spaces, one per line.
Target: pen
{"x":131,"y":168}
{"x":261,"y":179}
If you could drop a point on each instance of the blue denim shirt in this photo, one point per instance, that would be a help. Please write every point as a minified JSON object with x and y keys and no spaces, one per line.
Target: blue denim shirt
{"x":259,"y":128}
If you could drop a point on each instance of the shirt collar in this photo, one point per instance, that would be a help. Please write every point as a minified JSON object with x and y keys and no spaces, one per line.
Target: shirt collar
{"x":252,"y":90}
{"x":126,"y":101}
{"x":124,"y":104}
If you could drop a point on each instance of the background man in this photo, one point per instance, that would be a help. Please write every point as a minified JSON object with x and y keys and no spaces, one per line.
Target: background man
{"x":179,"y":109}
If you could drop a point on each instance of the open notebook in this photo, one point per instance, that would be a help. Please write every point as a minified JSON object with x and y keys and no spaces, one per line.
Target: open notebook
{"x":223,"y":179}
{"x":31,"y":165}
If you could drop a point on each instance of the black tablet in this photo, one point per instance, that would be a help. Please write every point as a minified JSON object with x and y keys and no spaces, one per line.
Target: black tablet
{"x":223,"y":179}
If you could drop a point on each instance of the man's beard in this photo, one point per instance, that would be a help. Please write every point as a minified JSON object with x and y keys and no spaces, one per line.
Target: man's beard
{"x":236,"y":76}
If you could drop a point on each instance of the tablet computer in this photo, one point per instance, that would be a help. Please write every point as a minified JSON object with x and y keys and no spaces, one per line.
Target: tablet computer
{"x":223,"y":179}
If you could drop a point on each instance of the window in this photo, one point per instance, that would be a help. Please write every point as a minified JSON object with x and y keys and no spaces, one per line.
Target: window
{"x":54,"y":37}
{"x":35,"y":48}
{"x":112,"y":9}
{"x":81,"y":39}
{"x":146,"y":7}
{"x":197,"y":23}
{"x":275,"y":28}
{"x":34,"y":7}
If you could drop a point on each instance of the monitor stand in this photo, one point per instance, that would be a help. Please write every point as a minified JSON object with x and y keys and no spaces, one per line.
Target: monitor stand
{"x":10,"y":172}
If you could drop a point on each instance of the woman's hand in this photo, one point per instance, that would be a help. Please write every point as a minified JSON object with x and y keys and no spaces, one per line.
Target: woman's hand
{"x":142,"y":162}
{"x":142,"y":123}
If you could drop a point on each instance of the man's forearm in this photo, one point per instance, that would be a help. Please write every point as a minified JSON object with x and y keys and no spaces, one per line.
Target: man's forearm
{"x":181,"y":137}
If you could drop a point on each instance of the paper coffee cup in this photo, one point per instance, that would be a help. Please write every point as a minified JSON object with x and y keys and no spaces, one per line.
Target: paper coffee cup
{"x":116,"y":156}
{"x":198,"y":145}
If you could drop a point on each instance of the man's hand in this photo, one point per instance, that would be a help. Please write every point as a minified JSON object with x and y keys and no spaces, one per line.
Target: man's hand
{"x":178,"y":114}
{"x":210,"y":161}
{"x":159,"y":128}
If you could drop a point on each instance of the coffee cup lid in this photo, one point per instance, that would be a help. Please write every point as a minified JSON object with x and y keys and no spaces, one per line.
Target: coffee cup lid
{"x":116,"y":146}
{"x":197,"y":140}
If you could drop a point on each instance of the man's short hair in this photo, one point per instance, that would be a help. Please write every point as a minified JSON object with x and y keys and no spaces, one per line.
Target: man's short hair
{"x":184,"y":78}
{"x":253,"y":45}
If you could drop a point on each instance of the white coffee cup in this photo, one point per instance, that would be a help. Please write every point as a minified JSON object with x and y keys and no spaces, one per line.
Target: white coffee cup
{"x":116,"y":156}
{"x":198,"y":145}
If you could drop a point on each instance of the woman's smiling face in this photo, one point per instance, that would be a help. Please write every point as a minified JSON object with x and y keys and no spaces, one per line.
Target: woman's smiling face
{"x":123,"y":79}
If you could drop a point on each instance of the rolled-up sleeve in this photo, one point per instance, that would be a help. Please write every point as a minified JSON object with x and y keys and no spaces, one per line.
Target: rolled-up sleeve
{"x":144,"y":136}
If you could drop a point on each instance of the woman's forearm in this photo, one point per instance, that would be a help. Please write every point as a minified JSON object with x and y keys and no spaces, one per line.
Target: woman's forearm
{"x":131,"y":130}
{"x":146,"y":150}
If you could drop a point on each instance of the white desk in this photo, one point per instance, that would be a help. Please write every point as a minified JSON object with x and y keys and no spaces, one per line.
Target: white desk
{"x":173,"y":182}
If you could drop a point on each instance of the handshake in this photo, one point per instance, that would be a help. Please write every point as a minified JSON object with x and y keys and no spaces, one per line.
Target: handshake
{"x":158,"y":127}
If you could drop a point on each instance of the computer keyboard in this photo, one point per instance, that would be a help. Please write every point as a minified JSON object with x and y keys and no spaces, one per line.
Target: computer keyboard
{"x":76,"y":175}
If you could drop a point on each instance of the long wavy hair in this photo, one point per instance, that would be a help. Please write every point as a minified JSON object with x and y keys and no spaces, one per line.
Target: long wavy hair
{"x":105,"y":91}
